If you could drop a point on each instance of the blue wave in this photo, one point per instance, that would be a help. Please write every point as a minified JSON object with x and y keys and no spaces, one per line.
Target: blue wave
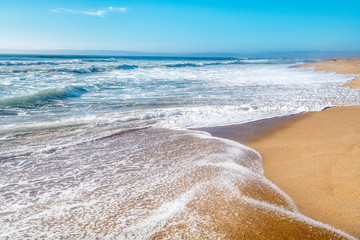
{"x":91,"y":69}
{"x":30,"y":63}
{"x":177,"y":65}
{"x":190,"y":64}
{"x":86,"y":70}
{"x":100,"y":60}
{"x":68,"y":70}
{"x":4,"y":112}
{"x":44,"y":96}
{"x":127,"y":67}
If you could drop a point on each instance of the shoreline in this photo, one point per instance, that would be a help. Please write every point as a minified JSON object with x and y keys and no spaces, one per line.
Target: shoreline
{"x":340,"y":66}
{"x":249,"y":131}
{"x":314,"y":156}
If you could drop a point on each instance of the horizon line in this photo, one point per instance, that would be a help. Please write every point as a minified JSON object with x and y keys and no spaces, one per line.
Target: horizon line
{"x":102,"y":52}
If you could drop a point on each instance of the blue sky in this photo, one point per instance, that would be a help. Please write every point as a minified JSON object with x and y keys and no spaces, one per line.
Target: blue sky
{"x":181,"y":26}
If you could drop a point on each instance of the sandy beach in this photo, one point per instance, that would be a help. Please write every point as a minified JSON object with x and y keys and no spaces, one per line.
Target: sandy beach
{"x":341,"y":66}
{"x":314,"y":157}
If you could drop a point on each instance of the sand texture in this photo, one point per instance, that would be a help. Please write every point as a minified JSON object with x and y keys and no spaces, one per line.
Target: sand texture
{"x":316,"y":160}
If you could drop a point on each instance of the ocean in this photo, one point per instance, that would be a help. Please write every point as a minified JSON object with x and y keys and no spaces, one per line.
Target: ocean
{"x":100,"y":147}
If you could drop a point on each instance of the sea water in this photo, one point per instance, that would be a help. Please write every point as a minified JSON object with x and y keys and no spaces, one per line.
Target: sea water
{"x":100,"y":147}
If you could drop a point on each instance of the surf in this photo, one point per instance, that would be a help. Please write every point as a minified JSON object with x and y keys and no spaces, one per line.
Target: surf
{"x":44,"y":97}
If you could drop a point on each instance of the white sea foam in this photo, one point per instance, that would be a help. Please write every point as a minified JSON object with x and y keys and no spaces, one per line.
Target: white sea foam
{"x":121,"y":187}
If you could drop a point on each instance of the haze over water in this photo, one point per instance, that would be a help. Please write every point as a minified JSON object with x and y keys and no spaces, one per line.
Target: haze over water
{"x":99,"y":147}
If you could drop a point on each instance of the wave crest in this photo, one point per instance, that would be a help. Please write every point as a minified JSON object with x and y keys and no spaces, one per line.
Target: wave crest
{"x":127,"y":67}
{"x":91,"y":69}
{"x":30,"y":63}
{"x":202,"y":64}
{"x":177,"y":65}
{"x":44,"y":96}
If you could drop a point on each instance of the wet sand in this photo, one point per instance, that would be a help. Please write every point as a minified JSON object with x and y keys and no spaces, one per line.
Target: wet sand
{"x":314,"y":157}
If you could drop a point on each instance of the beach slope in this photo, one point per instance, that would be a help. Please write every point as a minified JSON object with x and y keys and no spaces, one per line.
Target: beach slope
{"x":314,"y":157}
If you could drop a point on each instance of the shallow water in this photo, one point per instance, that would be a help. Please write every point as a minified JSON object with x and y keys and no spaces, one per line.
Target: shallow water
{"x":98,"y":148}
{"x":148,"y":183}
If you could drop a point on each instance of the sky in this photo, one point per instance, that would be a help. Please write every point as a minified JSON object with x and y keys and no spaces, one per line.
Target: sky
{"x":181,"y":25}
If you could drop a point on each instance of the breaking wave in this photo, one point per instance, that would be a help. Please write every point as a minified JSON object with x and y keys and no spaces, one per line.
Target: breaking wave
{"x":44,"y":96}
{"x":127,"y":67}
{"x":91,"y":69}
{"x":100,"y":60}
{"x":31,"y":63}
{"x":176,"y":65}
{"x":202,"y":64}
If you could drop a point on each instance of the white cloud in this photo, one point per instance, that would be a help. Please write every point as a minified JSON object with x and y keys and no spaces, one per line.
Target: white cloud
{"x":98,"y":13}
{"x":120,"y":9}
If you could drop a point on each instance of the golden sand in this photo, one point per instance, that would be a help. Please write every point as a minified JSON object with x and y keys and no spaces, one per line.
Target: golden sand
{"x":316,"y":158}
